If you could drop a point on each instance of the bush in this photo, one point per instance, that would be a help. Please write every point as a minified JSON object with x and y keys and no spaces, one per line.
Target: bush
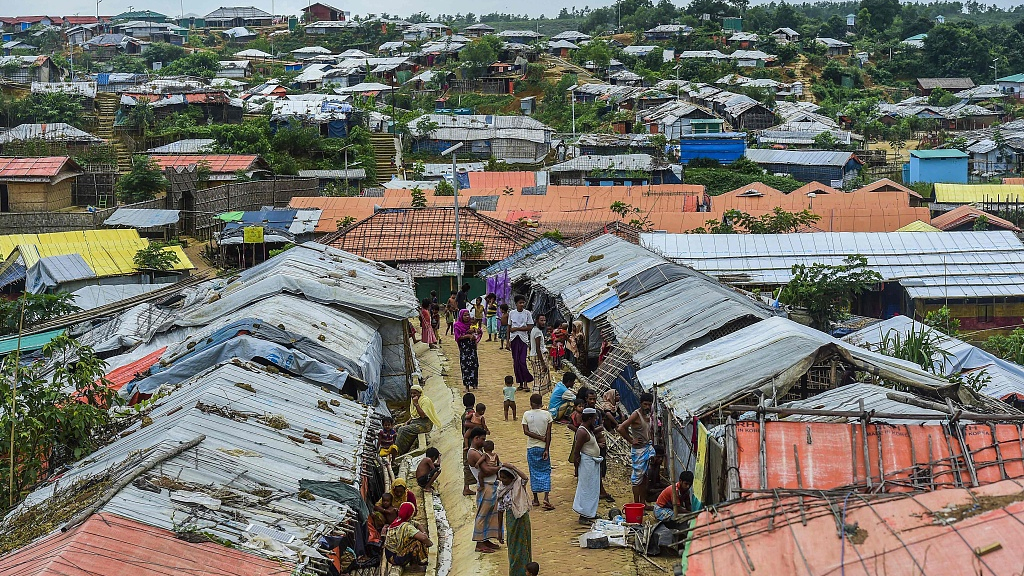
{"x":143,"y":182}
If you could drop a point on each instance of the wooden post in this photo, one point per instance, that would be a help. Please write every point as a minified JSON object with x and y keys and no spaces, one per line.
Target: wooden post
{"x":732,"y":472}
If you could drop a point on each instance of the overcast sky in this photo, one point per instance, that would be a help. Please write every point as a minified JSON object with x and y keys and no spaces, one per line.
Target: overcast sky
{"x":400,"y":7}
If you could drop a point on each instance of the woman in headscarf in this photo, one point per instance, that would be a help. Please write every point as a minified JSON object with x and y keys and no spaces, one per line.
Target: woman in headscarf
{"x":576,"y":345}
{"x":514,"y":501}
{"x":405,"y":544}
{"x":467,"y":337}
{"x":401,"y":494}
{"x":422,"y":419}
{"x":427,"y":334}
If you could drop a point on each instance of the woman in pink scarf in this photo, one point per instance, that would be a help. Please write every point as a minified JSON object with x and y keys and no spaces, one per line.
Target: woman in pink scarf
{"x":467,"y":337}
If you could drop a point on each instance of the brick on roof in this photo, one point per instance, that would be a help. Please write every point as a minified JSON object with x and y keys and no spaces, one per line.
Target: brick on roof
{"x":428,"y":235}
{"x":967,"y":214}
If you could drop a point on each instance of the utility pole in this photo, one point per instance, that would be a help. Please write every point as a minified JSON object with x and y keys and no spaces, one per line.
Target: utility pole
{"x":572,"y":100}
{"x":458,"y":237}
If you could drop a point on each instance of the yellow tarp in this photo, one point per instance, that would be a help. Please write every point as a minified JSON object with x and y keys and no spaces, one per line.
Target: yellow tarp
{"x":108,"y":252}
{"x":918,"y":226}
{"x":700,"y":468}
{"x":970,"y":193}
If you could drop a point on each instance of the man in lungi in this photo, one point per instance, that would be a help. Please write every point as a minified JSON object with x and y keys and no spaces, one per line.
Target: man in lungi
{"x":638,"y":430}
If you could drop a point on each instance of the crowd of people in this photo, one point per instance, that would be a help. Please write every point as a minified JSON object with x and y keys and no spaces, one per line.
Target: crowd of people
{"x":504,"y":493}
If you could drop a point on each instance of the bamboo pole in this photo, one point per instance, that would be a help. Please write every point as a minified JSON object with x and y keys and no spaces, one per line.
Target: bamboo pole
{"x":14,"y":398}
{"x":741,"y":408}
{"x":146,"y":465}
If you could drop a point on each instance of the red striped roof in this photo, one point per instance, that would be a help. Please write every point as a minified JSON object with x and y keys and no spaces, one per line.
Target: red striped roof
{"x":122,"y":375}
{"x":216,"y":162}
{"x":114,"y":546}
{"x":46,"y":167}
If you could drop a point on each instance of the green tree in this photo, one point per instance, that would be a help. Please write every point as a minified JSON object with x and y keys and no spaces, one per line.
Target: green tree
{"x":200,"y":64}
{"x":777,"y":222}
{"x":943,"y":321}
{"x":143,"y":182}
{"x":53,"y":420}
{"x":479,"y":54}
{"x":826,"y":291}
{"x":940,"y":97}
{"x":38,"y":308}
{"x":1007,"y":346}
{"x":155,"y":257}
{"x":162,"y":52}
{"x":826,"y":141}
{"x":444,"y":188}
{"x":126,"y":63}
{"x":419,"y":198}
{"x":980,"y":223}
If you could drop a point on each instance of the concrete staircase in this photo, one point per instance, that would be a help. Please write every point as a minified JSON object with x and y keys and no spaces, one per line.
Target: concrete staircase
{"x":106,"y":110}
{"x":385,"y":152}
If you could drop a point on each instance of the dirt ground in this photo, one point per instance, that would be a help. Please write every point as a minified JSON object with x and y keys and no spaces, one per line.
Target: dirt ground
{"x":555,"y":533}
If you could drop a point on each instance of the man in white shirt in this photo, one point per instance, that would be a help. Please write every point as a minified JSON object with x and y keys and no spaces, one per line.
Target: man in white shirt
{"x":537,"y":427}
{"x":538,"y":357}
{"x":520,"y":323}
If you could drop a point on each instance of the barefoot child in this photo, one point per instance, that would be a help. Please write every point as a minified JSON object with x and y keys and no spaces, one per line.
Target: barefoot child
{"x":509,"y":392}
{"x":503,"y":327}
{"x":491,"y":455}
{"x":477,"y":419}
{"x":386,"y":438}
{"x":429,"y":469}
{"x":491,"y":314}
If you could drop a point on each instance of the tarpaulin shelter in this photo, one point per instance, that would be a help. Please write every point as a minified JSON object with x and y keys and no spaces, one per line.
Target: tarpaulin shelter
{"x":256,"y":436}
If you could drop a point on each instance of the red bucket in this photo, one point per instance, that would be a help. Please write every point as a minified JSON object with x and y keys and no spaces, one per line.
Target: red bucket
{"x":634,"y":513}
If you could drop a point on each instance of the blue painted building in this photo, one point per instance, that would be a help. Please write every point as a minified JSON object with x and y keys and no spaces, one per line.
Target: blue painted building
{"x":726,"y":147}
{"x":947,"y":165}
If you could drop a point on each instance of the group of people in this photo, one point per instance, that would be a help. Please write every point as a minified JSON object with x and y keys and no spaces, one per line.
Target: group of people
{"x":504,"y":493}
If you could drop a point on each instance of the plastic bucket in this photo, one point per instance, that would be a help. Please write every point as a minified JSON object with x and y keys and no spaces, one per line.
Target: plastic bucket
{"x":634,"y":513}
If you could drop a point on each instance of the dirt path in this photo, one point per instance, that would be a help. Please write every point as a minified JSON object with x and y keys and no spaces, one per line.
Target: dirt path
{"x":555,"y":533}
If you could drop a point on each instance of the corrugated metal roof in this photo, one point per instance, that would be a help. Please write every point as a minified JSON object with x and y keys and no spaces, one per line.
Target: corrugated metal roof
{"x":46,"y":167}
{"x":927,"y":264}
{"x":108,"y":252}
{"x":223,"y":13}
{"x":800,"y":157}
{"x":849,"y":398}
{"x":977,"y":193}
{"x":939,"y":153}
{"x":142,"y":217}
{"x":918,"y":226}
{"x":240,"y":451}
{"x":186,"y":146}
{"x":9,"y":344}
{"x":770,"y":356}
{"x":218,"y":163}
{"x":966,"y":214}
{"x":56,"y":132}
{"x":350,"y":174}
{"x":586,"y":163}
{"x":1006,"y":377}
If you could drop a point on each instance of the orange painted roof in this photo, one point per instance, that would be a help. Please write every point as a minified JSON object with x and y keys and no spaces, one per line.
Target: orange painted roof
{"x":122,"y":375}
{"x":817,"y":188}
{"x":967,"y":214}
{"x":1017,"y":181}
{"x":933,"y":533}
{"x":46,"y":167}
{"x":563,"y":207}
{"x":222,"y":163}
{"x":114,"y":546}
{"x":857,"y":211}
{"x":886,"y":185}
{"x":517,"y":180}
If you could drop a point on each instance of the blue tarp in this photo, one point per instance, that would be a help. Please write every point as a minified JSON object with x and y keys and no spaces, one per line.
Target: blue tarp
{"x":14,"y":273}
{"x":601,"y":307}
{"x":539,"y":247}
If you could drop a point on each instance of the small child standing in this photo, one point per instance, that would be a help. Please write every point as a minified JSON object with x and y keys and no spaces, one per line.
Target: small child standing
{"x":477,"y":419}
{"x":386,"y":438}
{"x":509,"y":392}
{"x":491,"y":314}
{"x":558,"y":338}
{"x":491,"y":454}
{"x":503,"y":327}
